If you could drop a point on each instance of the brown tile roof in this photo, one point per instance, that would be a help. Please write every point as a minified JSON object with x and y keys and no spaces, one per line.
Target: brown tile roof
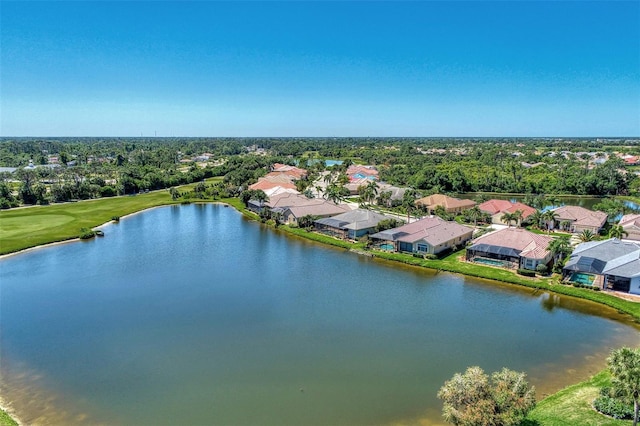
{"x":292,"y":171}
{"x":432,"y":229}
{"x":581,"y":216}
{"x":533,"y":246}
{"x":445,"y":201}
{"x":630,"y":220}
{"x":265,"y":184}
{"x":495,"y":206}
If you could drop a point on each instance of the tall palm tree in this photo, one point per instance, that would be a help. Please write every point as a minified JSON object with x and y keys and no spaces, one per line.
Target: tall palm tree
{"x":474,"y":213}
{"x":517,"y":217}
{"x":617,"y":231}
{"x":508,"y":218}
{"x":408,"y":202}
{"x":535,"y":219}
{"x":560,"y":248}
{"x":550,"y":217}
{"x":624,"y":364}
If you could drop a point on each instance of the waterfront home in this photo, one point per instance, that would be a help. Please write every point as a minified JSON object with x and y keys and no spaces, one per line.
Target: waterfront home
{"x":290,"y":207}
{"x":511,"y":248}
{"x":430,"y":235}
{"x":577,"y":219}
{"x":631,"y":225}
{"x":450,"y":204}
{"x":350,"y":225}
{"x":610,"y":264}
{"x":357,"y":172}
{"x":497,"y":208}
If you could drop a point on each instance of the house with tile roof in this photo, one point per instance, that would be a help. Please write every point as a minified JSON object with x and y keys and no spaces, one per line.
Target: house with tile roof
{"x":610,"y":265}
{"x":512,"y":248}
{"x":430,"y":235}
{"x":496,"y":208}
{"x":631,"y":224}
{"x":577,"y":219}
{"x":350,"y":225}
{"x":450,"y":204}
{"x":290,"y":207}
{"x":357,"y":172}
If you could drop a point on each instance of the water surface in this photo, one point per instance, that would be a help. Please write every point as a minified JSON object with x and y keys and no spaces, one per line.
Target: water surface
{"x":193,"y":315}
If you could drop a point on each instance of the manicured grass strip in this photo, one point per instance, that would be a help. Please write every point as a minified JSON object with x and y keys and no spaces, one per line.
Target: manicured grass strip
{"x":325,"y":239}
{"x":572,"y":406}
{"x":6,"y":420}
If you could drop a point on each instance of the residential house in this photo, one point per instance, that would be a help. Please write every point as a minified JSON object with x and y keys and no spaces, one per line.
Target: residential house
{"x":430,"y":235}
{"x":577,"y":219}
{"x":450,"y":204}
{"x":610,"y":264}
{"x":356,"y":172}
{"x":631,"y":224}
{"x":350,"y":225}
{"x":512,"y":248}
{"x":497,"y":208}
{"x":291,"y":207}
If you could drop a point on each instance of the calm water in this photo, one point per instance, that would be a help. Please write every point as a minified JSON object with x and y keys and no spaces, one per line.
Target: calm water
{"x":192,"y":315}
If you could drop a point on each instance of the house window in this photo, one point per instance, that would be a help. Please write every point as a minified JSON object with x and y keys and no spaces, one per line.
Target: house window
{"x":423,"y":247}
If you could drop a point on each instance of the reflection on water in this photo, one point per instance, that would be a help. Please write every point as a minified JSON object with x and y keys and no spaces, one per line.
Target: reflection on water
{"x":193,"y":315}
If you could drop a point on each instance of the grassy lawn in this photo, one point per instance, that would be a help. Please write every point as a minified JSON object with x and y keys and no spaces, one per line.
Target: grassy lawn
{"x":572,"y":406}
{"x":6,"y":420}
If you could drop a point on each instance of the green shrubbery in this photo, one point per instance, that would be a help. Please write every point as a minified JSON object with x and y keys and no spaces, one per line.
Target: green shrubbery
{"x":614,"y":406}
{"x":526,"y":272}
{"x":86,"y":233}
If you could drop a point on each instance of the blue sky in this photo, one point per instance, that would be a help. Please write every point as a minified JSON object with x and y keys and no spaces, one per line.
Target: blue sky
{"x":540,"y":68}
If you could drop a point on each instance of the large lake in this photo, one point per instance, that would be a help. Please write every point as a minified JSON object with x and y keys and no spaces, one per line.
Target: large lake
{"x":194,"y":315}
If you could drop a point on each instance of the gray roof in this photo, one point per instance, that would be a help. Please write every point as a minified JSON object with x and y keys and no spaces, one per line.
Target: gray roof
{"x":605,"y":250}
{"x":585,"y":264}
{"x":493,"y":249}
{"x":354,"y":219}
{"x":610,"y":257}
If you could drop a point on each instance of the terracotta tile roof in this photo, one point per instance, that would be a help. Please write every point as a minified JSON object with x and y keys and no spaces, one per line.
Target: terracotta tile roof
{"x":265,"y":184}
{"x":525,"y":209}
{"x":292,"y":171}
{"x":533,"y":246}
{"x":445,"y":201}
{"x":581,"y":216}
{"x":495,"y":206}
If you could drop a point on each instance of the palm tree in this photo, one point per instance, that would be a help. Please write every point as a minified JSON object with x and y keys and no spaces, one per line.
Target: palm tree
{"x":586,"y":236}
{"x":549,"y":217}
{"x":508,"y":218}
{"x":517,"y":216}
{"x":560,"y":248}
{"x":408,"y":202}
{"x":260,"y":196}
{"x":474,"y":213}
{"x":535,"y":219}
{"x":617,"y":231}
{"x":624,"y":364}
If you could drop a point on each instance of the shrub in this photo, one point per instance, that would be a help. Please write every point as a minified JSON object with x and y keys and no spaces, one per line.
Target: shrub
{"x":115,"y":218}
{"x":86,"y":233}
{"x":542,"y":269}
{"x":613,"y":407}
{"x":430,"y":256}
{"x":526,"y":272}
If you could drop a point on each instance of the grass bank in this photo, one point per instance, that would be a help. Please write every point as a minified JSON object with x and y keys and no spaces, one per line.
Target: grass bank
{"x":6,"y":420}
{"x":572,"y":406}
